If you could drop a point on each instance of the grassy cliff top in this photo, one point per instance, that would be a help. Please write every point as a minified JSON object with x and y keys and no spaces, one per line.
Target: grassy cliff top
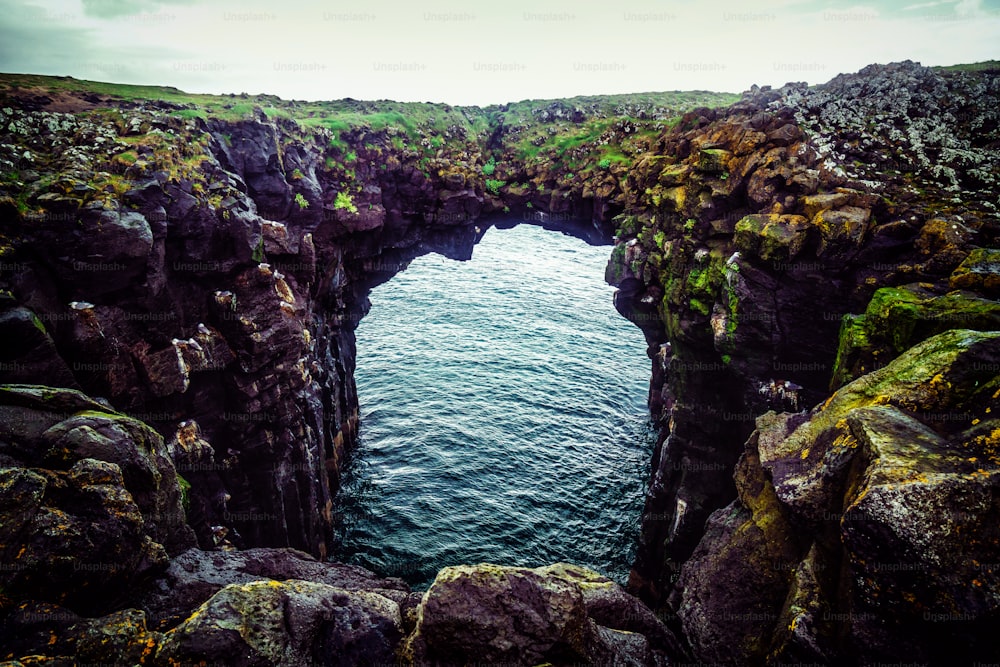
{"x":70,"y":94}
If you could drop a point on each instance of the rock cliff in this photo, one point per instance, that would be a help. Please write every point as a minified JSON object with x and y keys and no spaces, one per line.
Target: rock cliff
{"x":800,"y":242}
{"x":182,"y":276}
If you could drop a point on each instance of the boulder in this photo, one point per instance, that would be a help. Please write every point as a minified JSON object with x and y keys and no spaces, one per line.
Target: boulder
{"x":195,"y":575}
{"x":842,"y":231}
{"x":294,"y":623}
{"x":73,"y":537}
{"x":980,"y":271}
{"x":898,"y":318}
{"x":54,"y":429}
{"x":772,"y":237}
{"x":490,"y":613}
{"x":866,"y":530}
{"x":41,"y":633}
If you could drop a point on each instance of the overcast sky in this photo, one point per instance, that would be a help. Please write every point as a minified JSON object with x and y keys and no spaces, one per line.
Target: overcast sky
{"x":485,"y":52}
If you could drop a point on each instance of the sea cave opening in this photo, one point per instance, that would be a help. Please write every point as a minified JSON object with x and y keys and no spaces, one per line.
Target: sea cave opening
{"x":503,"y":412}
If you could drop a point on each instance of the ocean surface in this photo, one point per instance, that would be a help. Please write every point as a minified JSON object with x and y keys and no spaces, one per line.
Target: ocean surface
{"x":503,"y":414}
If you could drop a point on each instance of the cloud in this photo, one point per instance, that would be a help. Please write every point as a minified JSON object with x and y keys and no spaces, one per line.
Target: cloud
{"x":922,"y":5}
{"x":969,"y":8}
{"x":486,"y":53}
{"x":110,"y":9}
{"x":25,"y":27}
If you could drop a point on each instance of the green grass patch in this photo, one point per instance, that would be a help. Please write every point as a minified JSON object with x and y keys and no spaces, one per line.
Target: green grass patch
{"x":345,"y":202}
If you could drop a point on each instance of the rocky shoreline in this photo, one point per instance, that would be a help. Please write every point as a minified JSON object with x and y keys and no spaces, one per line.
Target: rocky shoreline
{"x":180,"y":289}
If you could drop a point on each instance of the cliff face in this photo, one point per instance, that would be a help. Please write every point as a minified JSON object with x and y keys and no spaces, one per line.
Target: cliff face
{"x":757,"y":231}
{"x":213,"y":282}
{"x":200,"y":265}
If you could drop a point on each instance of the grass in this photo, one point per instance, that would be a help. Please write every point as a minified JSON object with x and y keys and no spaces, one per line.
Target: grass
{"x":413,"y":118}
{"x":985,"y":66}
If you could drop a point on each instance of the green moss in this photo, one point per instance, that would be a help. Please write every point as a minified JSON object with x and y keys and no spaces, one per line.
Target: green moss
{"x":494,"y":185}
{"x":617,"y":262}
{"x":188,"y":114}
{"x":628,"y":226}
{"x":185,"y":492}
{"x":345,"y":202}
{"x":38,"y":324}
{"x":898,"y":318}
{"x":699,"y":306}
{"x":258,"y":252}
{"x":853,"y":336}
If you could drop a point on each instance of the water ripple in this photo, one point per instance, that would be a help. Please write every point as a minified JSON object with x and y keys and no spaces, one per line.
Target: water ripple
{"x":503,"y":414}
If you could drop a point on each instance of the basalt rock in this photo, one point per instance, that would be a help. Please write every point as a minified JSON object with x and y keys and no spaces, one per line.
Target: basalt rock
{"x":560,"y":615}
{"x":54,"y":429}
{"x":194,"y":576}
{"x":754,"y":231}
{"x":92,"y":501}
{"x":68,"y":639}
{"x":863,"y":531}
{"x":295,"y":623}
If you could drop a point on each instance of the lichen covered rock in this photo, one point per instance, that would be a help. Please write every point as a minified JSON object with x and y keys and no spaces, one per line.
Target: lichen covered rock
{"x":874,"y":531}
{"x":195,"y":575}
{"x":294,"y":623}
{"x":489,"y":613}
{"x":56,"y":428}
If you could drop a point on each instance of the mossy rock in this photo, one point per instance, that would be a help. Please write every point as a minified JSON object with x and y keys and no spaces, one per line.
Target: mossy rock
{"x":674,"y":174}
{"x":943,"y":375}
{"x":285,"y":623}
{"x":898,"y":318}
{"x":713,"y":160}
{"x":52,"y":429}
{"x":772,"y":237}
{"x":980,"y":272}
{"x":842,"y":231}
{"x":814,"y":204}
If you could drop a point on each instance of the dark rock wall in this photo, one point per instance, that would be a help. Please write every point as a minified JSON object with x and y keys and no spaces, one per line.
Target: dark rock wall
{"x":755,"y":232}
{"x":225,"y":297}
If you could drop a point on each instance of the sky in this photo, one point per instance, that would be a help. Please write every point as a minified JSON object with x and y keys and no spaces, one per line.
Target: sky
{"x":486,"y":52}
